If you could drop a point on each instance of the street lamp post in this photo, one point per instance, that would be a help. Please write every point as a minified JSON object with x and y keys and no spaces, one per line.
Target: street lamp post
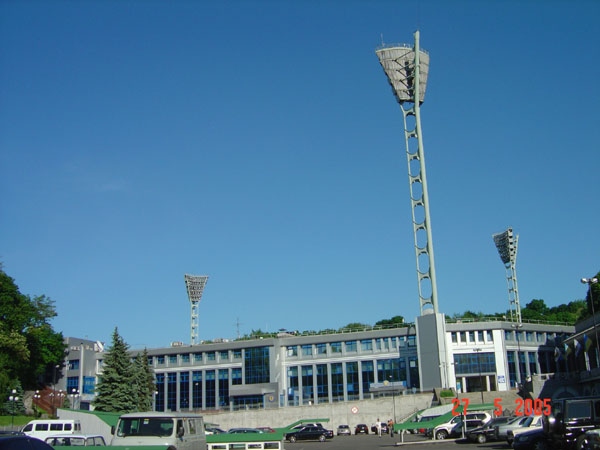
{"x":393,"y":397}
{"x":590,"y":282}
{"x":36,"y":399}
{"x":478,"y":350}
{"x":74,"y":395}
{"x":13,"y":399}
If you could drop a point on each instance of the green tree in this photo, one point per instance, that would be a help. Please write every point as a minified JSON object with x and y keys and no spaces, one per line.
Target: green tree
{"x":396,"y":320}
{"x":29,"y":347}
{"x":143,"y":381}
{"x":115,"y":389}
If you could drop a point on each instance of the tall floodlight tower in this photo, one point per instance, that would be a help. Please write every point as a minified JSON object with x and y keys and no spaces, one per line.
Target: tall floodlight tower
{"x":507,"y":243}
{"x":195,"y":286}
{"x":406,"y":69}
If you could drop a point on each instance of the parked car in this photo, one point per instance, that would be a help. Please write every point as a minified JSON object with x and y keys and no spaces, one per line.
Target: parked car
{"x":361,"y":428}
{"x":421,"y":424}
{"x":384,"y":428}
{"x":307,"y":424}
{"x":528,"y":440}
{"x":535,"y":422}
{"x":266,"y":429}
{"x":344,"y":430}
{"x":308,"y":433}
{"x":214,"y":430}
{"x":16,"y":442}
{"x":516,"y":422}
{"x":469,"y":424}
{"x":76,"y":440}
{"x":486,"y":432}
{"x":244,"y":430}
{"x":443,"y":430}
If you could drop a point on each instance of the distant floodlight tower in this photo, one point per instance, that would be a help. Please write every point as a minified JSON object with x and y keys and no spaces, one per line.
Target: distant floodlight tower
{"x":507,"y":244}
{"x":407,"y":68}
{"x":195,"y":286}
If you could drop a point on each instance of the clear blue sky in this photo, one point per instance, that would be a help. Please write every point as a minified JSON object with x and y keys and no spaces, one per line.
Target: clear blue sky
{"x":258,"y":142}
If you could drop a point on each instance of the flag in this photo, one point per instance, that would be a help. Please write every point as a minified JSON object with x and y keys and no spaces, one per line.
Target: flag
{"x":568,"y":350}
{"x":578,"y":347}
{"x":557,"y":354}
{"x":587,"y":343}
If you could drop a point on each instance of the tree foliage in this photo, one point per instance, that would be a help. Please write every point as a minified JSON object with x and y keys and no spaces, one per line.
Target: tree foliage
{"x":126,"y":384}
{"x":29,"y":347}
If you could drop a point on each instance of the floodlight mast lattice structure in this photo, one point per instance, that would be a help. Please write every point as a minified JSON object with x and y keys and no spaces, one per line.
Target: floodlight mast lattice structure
{"x":407,"y":68}
{"x":195,"y":287}
{"x":507,"y":245}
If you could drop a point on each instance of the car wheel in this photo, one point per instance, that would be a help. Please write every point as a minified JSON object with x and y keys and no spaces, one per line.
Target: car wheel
{"x":322,"y":438}
{"x":540,"y":445}
{"x":442,"y":434}
{"x":292,"y":439}
{"x":481,"y":438}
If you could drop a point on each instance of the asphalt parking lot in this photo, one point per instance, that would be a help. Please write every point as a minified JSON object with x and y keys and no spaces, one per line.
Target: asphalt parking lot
{"x":373,"y":442}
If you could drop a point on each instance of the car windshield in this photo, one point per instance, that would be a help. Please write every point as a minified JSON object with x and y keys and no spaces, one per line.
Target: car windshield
{"x":145,"y":426}
{"x":66,"y":441}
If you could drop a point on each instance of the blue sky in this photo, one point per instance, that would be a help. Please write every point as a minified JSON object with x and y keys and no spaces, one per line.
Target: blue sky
{"x":258,"y":143}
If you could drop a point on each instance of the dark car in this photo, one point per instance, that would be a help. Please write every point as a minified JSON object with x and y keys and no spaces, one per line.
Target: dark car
{"x":308,"y":433}
{"x":486,"y":432}
{"x":384,"y":428}
{"x":527,"y":440}
{"x":469,"y":424}
{"x":12,"y":442}
{"x":361,"y":428}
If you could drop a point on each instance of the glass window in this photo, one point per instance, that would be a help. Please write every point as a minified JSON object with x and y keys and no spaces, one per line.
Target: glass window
{"x":454,"y":337}
{"x":336,"y":347}
{"x":322,"y":384}
{"x":256,"y":365}
{"x":292,"y":350}
{"x":307,"y":350}
{"x":210,"y":356}
{"x":366,"y":345}
{"x":351,"y":346}
{"x":173,"y":359}
{"x":198,"y":357}
{"x":337,"y":382}
{"x":237,"y":354}
{"x":74,"y":364}
{"x":160,"y":359}
{"x":321,"y":349}
{"x":480,"y":336}
{"x":471,"y":336}
{"x":378,"y":344}
{"x":490,"y":336}
{"x":224,"y":355}
{"x":185,"y":358}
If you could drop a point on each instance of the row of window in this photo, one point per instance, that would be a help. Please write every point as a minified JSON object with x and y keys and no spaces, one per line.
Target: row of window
{"x":352,"y":346}
{"x":472,"y":337}
{"x":195,"y":358}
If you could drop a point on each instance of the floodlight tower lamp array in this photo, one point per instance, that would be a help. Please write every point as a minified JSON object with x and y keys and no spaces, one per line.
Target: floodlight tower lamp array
{"x":507,"y":245}
{"x":195,"y":287}
{"x":407,"y":68}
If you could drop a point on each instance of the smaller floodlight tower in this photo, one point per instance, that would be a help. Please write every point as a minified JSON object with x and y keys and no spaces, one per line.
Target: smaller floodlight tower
{"x":507,"y":243}
{"x":195,"y":286}
{"x":406,"y":68}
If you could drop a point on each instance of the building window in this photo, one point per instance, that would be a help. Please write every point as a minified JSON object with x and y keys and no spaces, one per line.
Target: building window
{"x":471,"y":336}
{"x":172,"y":391}
{"x":237,"y":354}
{"x":185,"y":358}
{"x":293,"y":385}
{"x":307,"y":350}
{"x":224,"y":355}
{"x":211,"y":389}
{"x":480,"y":336}
{"x":529,"y":336}
{"x":160,"y":359}
{"x":173,"y":360}
{"x":394,"y":341}
{"x":307,"y":384}
{"x":490,"y":336}
{"x":292,"y":350}
{"x":368,"y":375}
{"x":337,"y":382}
{"x":184,"y":390}
{"x":210,"y":356}
{"x":197,"y":389}
{"x":74,"y":364}
{"x":366,"y":345}
{"x":352,"y":385}
{"x":236,"y":375}
{"x":351,"y":346}
{"x":321,"y":349}
{"x":322,"y":384}
{"x":256,"y":365}
{"x":223,"y":387}
{"x":198,"y":357}
{"x":462,"y":337}
{"x":454,"y":337}
{"x":378,"y":344}
{"x":336,"y":347}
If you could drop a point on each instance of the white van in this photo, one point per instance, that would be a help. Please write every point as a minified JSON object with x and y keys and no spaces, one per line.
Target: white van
{"x":42,"y":429}
{"x":179,"y":431}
